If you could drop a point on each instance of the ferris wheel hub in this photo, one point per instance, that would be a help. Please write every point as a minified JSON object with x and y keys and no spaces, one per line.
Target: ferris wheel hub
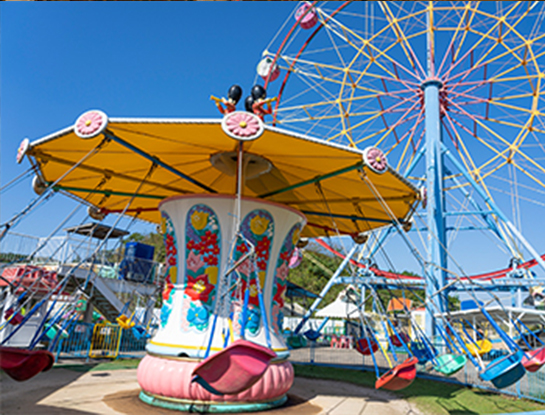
{"x":432,"y":82}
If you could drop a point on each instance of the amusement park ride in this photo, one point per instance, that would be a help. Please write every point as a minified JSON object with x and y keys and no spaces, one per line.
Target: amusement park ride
{"x":234,"y":197}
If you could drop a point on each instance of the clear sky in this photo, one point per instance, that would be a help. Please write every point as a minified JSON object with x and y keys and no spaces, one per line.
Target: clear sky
{"x":152,"y":59}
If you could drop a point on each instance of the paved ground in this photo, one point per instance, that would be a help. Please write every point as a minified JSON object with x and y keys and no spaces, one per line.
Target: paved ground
{"x":68,"y":392}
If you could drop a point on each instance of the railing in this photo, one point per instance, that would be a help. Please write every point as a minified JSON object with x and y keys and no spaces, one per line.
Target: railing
{"x":70,"y":249}
{"x":15,"y":247}
{"x":78,"y":342}
{"x":86,"y":340}
{"x":131,"y":346}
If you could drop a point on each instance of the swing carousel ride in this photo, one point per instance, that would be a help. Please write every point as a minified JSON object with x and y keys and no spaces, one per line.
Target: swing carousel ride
{"x":448,"y":93}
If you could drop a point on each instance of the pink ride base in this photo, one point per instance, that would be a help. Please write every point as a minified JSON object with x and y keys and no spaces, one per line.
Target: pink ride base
{"x":236,"y":368}
{"x":171,"y":379}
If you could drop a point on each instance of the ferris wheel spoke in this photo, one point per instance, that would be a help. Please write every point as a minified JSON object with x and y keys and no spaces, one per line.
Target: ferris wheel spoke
{"x":387,"y":128}
{"x":481,"y":124}
{"x":473,"y":100}
{"x":512,"y":150}
{"x":476,"y":170}
{"x":467,"y":160}
{"x":409,"y":141}
{"x":483,"y":65}
{"x":498,"y":121}
{"x":402,"y":39}
{"x":367,"y":44}
{"x":360,"y":50}
{"x":450,"y":47}
{"x":468,"y":22}
{"x":403,"y":119}
{"x":304,"y":67}
{"x":453,"y":39}
{"x":482,"y":38}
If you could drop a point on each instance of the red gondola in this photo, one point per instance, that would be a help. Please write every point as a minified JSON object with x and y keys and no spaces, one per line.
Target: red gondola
{"x":534,"y":359}
{"x":366,"y":346}
{"x":399,"y":338}
{"x":22,"y":364}
{"x":398,"y":377}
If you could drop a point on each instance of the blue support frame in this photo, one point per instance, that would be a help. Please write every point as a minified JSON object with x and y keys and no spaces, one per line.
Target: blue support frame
{"x":436,"y":263}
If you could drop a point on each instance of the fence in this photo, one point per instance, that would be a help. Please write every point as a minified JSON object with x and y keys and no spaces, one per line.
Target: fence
{"x":86,"y":340}
{"x":531,"y":386}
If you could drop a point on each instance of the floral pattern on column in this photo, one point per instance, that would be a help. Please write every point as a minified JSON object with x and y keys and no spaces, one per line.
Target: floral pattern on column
{"x":281,"y":277}
{"x":171,"y":260}
{"x":203,"y":241}
{"x":258,"y":228}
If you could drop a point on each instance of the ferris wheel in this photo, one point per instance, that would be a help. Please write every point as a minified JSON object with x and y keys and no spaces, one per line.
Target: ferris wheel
{"x":385,"y":74}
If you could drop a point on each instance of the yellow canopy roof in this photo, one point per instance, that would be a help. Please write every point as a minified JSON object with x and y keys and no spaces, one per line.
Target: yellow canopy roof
{"x":159,"y":158}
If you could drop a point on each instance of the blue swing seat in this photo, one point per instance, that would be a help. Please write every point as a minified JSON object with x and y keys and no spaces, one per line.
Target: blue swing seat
{"x":422,"y":352}
{"x":312,"y":335}
{"x":504,"y":371}
{"x":140,"y":332}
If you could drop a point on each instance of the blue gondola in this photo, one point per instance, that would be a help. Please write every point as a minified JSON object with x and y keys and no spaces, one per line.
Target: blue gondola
{"x":504,"y":371}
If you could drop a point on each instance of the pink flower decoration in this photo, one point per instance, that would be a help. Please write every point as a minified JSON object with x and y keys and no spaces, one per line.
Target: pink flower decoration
{"x":90,"y":124}
{"x":194,"y":262}
{"x":282,"y":271}
{"x":376,"y":160}
{"x":246,"y":268}
{"x":242,"y":124}
{"x":21,"y":151}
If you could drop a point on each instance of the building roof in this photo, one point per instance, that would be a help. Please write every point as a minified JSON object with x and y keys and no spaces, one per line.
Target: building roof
{"x":97,"y":230}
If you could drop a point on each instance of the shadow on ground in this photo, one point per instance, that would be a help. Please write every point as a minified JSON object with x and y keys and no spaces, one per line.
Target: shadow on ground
{"x":127,"y":402}
{"x":36,"y":389}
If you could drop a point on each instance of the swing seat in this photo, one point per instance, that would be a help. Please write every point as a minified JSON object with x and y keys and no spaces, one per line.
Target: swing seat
{"x":480,"y":347}
{"x":449,"y":364}
{"x":140,"y":332}
{"x":16,"y":319}
{"x":422,"y":352}
{"x":366,"y":347}
{"x":234,"y":369}
{"x":399,"y":376}
{"x":534,"y":359}
{"x":505,"y":370}
{"x":395,"y":339}
{"x":296,"y":342}
{"x":312,"y":335}
{"x":22,"y":364}
{"x":125,"y":322}
{"x":52,"y":332}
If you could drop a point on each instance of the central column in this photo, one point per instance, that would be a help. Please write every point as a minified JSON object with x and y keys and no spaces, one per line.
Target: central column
{"x":437,"y":259}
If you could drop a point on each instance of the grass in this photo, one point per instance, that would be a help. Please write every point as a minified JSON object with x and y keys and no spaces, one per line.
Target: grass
{"x":437,"y":398}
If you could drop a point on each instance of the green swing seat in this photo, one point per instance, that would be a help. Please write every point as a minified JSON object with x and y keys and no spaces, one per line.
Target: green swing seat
{"x":449,"y":364}
{"x":296,"y":341}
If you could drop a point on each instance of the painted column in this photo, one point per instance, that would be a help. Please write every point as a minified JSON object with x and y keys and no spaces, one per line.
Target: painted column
{"x":437,"y":259}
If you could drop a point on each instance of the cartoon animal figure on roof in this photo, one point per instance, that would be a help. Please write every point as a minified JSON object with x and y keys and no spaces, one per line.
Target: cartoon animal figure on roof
{"x":233,"y":97}
{"x":258,"y":103}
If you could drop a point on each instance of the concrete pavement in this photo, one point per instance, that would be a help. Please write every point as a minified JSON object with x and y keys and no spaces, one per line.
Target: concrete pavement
{"x":68,"y":392}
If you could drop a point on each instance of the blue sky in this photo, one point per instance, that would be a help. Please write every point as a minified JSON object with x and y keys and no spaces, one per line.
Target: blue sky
{"x":150,"y":59}
{"x":153,"y":59}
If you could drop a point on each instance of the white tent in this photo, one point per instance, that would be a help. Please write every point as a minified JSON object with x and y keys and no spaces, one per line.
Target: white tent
{"x":339,"y":309}
{"x":343,"y":306}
